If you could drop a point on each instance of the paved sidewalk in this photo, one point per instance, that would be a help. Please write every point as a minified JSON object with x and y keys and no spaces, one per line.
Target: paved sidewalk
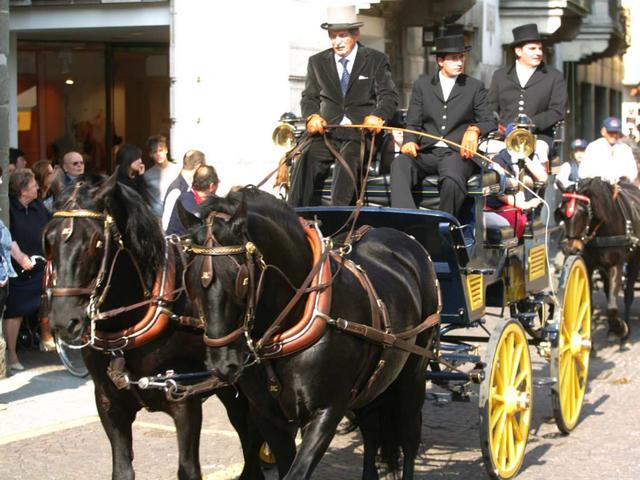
{"x":49,"y":430}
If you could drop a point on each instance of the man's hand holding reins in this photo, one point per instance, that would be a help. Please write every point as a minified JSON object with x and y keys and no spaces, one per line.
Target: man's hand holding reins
{"x":316,"y":124}
{"x":410,"y":148}
{"x":470,"y":141}
{"x":373,"y":123}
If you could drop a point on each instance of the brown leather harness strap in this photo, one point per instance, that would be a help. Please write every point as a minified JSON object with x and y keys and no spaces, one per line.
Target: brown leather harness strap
{"x":390,"y":339}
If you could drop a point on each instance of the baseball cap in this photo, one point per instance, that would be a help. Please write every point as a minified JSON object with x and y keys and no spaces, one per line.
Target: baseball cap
{"x":612,"y":124}
{"x":579,"y":143}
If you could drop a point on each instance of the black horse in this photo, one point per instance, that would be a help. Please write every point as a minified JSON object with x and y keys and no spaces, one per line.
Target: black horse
{"x":301,"y":331}
{"x":115,"y":284}
{"x":602,"y":222}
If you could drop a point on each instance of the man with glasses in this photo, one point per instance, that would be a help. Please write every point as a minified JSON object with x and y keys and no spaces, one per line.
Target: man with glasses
{"x":608,"y":157}
{"x":73,"y":167}
{"x":450,"y":105}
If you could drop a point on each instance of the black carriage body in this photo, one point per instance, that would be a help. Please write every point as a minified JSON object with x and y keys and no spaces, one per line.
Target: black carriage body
{"x":477,"y":266}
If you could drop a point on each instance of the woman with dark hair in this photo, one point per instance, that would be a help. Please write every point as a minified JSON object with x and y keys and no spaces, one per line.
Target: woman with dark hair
{"x":131,"y":169}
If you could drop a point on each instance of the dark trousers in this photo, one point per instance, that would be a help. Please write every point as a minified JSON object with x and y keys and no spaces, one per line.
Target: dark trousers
{"x":313,"y":167}
{"x":453,"y":170}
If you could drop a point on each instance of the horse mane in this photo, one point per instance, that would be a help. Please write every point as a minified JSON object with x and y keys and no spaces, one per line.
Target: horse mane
{"x":140,"y":230}
{"x":601,"y":195}
{"x":257,"y":202}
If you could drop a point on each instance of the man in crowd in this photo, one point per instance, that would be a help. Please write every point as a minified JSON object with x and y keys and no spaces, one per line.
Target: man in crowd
{"x":205,"y":184}
{"x":161,"y":174}
{"x":607,"y":157}
{"x":73,"y":167}
{"x":447,"y":104}
{"x":190,"y":162}
{"x":16,"y":160}
{"x":346,"y":84}
{"x":529,"y":87}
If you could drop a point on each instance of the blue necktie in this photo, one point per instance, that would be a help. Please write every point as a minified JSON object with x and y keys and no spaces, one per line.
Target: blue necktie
{"x":344,"y":80}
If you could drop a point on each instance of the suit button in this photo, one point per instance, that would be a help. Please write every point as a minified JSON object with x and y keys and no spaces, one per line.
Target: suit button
{"x":445,"y":107}
{"x":443,"y":127}
{"x":444,"y":116}
{"x":521,"y":102}
{"x":521,"y":108}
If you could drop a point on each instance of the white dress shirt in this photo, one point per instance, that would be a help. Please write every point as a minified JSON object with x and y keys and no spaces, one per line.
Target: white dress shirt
{"x":447,"y":84}
{"x":352,"y":58}
{"x":524,"y":73}
{"x":610,"y":162}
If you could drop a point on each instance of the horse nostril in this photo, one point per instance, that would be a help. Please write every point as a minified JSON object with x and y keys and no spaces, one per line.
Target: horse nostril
{"x":73,"y":324}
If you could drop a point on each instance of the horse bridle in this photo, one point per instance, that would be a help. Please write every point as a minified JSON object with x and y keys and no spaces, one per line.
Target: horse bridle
{"x":574,"y":199}
{"x":245,"y":284}
{"x":97,"y":289}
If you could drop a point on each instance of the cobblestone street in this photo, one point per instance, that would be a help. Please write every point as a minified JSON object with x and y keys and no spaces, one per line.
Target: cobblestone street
{"x":49,"y":430}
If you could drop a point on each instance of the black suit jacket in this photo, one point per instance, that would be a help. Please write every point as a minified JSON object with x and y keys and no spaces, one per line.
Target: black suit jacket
{"x":371,"y":90}
{"x":543,"y":98}
{"x":430,"y":113}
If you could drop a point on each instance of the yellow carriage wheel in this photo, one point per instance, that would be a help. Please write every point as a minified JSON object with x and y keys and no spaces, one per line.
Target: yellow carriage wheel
{"x":266,"y":455}
{"x":570,"y":357}
{"x":505,"y":400}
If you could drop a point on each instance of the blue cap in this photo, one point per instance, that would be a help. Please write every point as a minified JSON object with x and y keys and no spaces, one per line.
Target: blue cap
{"x":612,"y":124}
{"x":509,"y":129}
{"x":579,"y":143}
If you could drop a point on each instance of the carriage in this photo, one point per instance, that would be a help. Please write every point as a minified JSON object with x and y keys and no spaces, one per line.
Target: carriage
{"x":141,"y":301}
{"x":484,"y":269}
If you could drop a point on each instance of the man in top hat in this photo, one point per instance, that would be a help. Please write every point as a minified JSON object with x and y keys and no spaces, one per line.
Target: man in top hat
{"x":529,"y":87}
{"x":447,"y":104}
{"x":346,"y":84}
{"x":608,"y":157}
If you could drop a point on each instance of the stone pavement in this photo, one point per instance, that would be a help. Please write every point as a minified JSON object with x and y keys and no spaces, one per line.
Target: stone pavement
{"x":49,"y":430}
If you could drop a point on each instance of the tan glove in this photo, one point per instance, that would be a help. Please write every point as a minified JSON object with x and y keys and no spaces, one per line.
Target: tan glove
{"x":410,"y":148}
{"x":470,"y":141}
{"x":316,"y":124}
{"x":373,"y":123}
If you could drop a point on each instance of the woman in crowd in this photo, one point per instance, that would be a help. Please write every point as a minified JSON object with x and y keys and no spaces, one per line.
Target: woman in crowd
{"x":44,"y":173}
{"x":28,"y":218}
{"x":131,"y":169}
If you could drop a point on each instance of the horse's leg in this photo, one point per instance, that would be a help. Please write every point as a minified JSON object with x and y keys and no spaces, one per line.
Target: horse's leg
{"x":633,"y":266}
{"x":281,"y":440}
{"x":237,"y":408}
{"x":117,"y":416}
{"x":187,"y":418}
{"x":316,"y":437}
{"x":617,"y":326}
{"x":369,"y":424}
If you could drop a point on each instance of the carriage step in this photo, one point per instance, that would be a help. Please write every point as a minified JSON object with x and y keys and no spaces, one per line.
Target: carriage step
{"x":458,"y":358}
{"x":544,"y":381}
{"x":440,"y":399}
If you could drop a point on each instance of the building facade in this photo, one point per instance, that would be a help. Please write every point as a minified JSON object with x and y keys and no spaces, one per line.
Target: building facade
{"x":216,"y":76}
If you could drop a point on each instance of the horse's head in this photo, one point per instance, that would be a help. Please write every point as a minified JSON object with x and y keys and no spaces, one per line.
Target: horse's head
{"x":241,"y":251}
{"x":217,"y":278}
{"x":575,"y":212}
{"x":92,"y":220}
{"x":587,"y":209}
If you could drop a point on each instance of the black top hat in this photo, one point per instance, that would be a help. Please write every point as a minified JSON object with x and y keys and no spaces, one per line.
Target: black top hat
{"x":525,"y":33}
{"x":450,"y":44}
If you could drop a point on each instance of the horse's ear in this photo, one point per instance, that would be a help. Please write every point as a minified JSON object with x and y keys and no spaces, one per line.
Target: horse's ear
{"x":106,"y":189}
{"x":239,"y":219}
{"x":187,"y":218}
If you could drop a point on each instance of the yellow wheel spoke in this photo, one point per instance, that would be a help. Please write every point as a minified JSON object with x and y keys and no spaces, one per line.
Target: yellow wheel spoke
{"x":510,"y":443}
{"x":496,"y":415}
{"x":522,"y":376}
{"x":565,"y":348}
{"x":516,"y":429}
{"x":516,"y":362}
{"x":497,"y":378}
{"x":583,"y":315}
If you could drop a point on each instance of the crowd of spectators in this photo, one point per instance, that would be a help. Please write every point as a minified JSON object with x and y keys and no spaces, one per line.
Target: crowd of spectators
{"x":33,"y":188}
